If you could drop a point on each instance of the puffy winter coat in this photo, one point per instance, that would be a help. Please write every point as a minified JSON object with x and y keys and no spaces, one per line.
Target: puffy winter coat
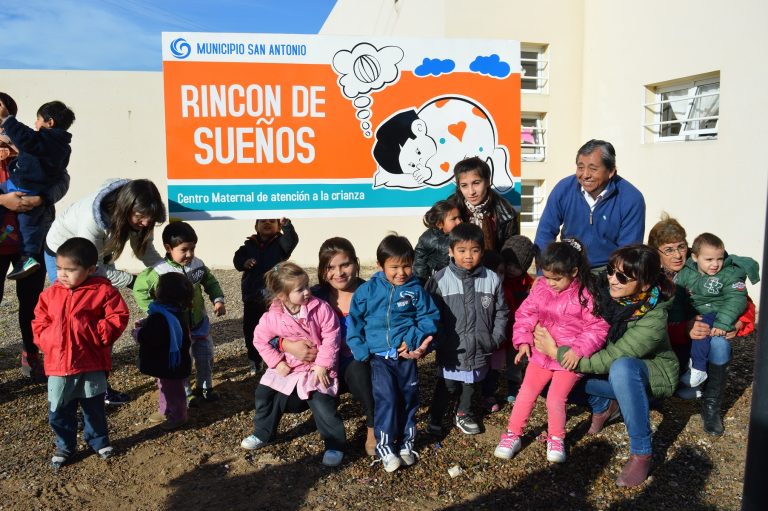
{"x":267,"y":255}
{"x":43,"y":155}
{"x":473,"y":316}
{"x":562,"y":314}
{"x":74,"y":328}
{"x":431,"y":253}
{"x":155,"y":347}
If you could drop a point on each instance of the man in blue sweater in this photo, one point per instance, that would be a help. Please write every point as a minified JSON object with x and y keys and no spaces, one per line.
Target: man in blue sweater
{"x":596,"y":206}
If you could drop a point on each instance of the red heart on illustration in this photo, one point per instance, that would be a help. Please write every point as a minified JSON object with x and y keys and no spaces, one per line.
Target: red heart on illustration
{"x":445,"y":166}
{"x":457,"y":130}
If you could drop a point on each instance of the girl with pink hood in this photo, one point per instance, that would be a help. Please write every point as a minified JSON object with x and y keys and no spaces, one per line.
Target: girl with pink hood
{"x":562,"y":302}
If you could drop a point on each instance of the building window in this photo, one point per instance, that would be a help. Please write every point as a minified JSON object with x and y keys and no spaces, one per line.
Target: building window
{"x":532,"y":201}
{"x":532,"y":132}
{"x":684,"y":110}
{"x":534,"y":59}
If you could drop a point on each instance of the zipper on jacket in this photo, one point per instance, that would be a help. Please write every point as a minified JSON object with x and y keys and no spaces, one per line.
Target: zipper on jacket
{"x":590,"y":217}
{"x":389,"y":308}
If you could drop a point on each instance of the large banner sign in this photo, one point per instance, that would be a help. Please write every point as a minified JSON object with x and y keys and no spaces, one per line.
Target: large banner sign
{"x":266,"y":125}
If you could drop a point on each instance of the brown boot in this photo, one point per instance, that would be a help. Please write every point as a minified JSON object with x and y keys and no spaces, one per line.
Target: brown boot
{"x":599,"y":420}
{"x":635,"y":471}
{"x":370,"y":443}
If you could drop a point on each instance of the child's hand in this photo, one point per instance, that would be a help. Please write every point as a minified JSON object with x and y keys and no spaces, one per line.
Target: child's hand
{"x":321,"y":376}
{"x":219,"y":308}
{"x":570,"y":360}
{"x":283,"y":369}
{"x":249,"y":263}
{"x":418,"y":352}
{"x":284,"y":221}
{"x":523,"y":350}
{"x":718,"y":332}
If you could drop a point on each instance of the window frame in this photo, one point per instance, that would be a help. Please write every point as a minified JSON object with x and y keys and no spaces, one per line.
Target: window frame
{"x":540,"y":141}
{"x":655,"y":111}
{"x":538,"y":200}
{"x":542,"y":68}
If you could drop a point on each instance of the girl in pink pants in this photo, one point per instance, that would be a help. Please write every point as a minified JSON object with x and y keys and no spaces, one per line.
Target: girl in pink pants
{"x":562,"y":303}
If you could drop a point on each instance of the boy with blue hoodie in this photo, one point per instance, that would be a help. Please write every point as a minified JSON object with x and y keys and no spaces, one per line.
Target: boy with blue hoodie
{"x":391,"y":321}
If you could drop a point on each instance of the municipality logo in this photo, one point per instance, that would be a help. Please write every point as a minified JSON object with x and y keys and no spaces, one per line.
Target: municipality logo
{"x":180,"y":48}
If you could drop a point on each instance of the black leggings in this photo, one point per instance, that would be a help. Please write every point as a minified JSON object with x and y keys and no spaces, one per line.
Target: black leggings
{"x":252,"y":312}
{"x":27,"y":291}
{"x":356,"y":379}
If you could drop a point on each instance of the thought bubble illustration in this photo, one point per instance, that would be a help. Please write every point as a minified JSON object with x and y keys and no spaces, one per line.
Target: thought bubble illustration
{"x":365,"y":69}
{"x":491,"y":65}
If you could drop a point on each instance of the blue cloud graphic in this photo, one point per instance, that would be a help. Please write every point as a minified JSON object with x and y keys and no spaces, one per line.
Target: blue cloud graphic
{"x":490,"y":65}
{"x":435,"y":67}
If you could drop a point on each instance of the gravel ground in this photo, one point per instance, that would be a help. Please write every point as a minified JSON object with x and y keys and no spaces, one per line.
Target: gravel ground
{"x":202,"y":465}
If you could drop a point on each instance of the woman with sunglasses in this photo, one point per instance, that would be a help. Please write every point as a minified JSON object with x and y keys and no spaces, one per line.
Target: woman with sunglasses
{"x":669,"y":238}
{"x":637,"y":363}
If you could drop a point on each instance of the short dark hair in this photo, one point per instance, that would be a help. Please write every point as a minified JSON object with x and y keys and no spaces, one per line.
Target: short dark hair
{"x":394,"y":247}
{"x":466,"y":231}
{"x":175,"y":289}
{"x":80,"y":250}
{"x":437,"y":213}
{"x":62,"y":116}
{"x":9,"y":103}
{"x":607,"y":152}
{"x":706,"y":238}
{"x":176,"y":233}
{"x":492,"y":260}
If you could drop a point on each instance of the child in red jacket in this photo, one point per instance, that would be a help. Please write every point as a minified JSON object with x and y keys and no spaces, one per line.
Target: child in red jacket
{"x":77,"y":319}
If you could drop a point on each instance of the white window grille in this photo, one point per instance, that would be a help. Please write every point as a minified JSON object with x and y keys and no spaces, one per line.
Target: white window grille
{"x":534,"y":59}
{"x":687,"y":110}
{"x":531,"y":201}
{"x":532,"y":137}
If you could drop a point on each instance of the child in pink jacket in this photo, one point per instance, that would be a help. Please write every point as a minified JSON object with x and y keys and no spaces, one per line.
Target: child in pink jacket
{"x":562,"y":303}
{"x":296,"y":314}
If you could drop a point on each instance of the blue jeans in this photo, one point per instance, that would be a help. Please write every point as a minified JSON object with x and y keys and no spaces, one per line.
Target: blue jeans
{"x":627,"y":383}
{"x":64,"y":424}
{"x":50,"y":267}
{"x":720,"y":351}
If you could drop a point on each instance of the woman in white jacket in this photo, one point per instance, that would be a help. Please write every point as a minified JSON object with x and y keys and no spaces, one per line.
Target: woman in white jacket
{"x":121,"y":211}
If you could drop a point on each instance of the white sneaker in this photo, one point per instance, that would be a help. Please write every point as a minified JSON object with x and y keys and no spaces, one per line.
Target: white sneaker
{"x":391,"y":462}
{"x":408,"y":456}
{"x":509,"y":445}
{"x":555,"y":449}
{"x":251,"y":442}
{"x":693,"y":377}
{"x":332,"y":458}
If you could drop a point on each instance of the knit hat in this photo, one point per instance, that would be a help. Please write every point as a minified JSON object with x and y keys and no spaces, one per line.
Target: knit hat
{"x":518,"y":250}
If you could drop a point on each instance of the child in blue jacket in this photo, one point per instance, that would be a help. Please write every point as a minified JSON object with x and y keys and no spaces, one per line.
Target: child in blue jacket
{"x":391,"y":322}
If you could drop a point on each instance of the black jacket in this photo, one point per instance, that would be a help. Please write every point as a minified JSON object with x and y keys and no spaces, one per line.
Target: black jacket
{"x":43,"y":155}
{"x":154,"y":348}
{"x":267,"y":255}
{"x":431,"y":253}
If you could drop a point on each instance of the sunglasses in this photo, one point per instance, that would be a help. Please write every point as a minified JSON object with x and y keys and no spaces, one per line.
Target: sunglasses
{"x":679,"y":249}
{"x":622,"y":277}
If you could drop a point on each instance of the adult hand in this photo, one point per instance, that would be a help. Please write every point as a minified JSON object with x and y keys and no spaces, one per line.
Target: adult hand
{"x":301,"y":349}
{"x":18,"y":202}
{"x":544,"y":342}
{"x":698,"y":329}
{"x":570,"y":360}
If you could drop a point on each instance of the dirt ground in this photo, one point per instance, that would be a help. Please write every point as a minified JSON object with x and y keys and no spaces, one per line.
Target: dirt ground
{"x":202,"y":466}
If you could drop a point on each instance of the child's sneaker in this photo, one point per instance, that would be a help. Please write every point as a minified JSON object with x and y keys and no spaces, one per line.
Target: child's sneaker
{"x":408,"y":456}
{"x":332,"y":458}
{"x":511,"y":398}
{"x":252,"y":442}
{"x":106,"y":452}
{"x":113,"y":397}
{"x":391,"y":462}
{"x":555,"y":449}
{"x":490,"y":404}
{"x":156,"y":418}
{"x":509,"y":445}
{"x":210,"y":395}
{"x":466,"y":423}
{"x":170,"y":425}
{"x":59,"y":459}
{"x":23,"y":268}
{"x":434,"y":429}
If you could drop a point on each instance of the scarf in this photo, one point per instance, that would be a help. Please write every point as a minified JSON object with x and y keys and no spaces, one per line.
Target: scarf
{"x":482,"y":218}
{"x":619,"y":312}
{"x":174,"y":331}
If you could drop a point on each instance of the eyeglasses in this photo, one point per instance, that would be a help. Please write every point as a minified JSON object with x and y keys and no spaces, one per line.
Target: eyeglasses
{"x":681,"y":249}
{"x":622,"y":277}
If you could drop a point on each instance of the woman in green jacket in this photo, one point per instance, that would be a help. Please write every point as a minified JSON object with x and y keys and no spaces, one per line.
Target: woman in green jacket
{"x":637,"y":362}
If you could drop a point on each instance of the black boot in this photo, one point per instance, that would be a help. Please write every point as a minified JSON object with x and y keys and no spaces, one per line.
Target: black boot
{"x":712,"y":399}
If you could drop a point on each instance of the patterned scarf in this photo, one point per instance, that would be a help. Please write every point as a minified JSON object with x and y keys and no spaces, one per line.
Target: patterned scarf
{"x":481,"y":217}
{"x":619,"y":312}
{"x":174,"y":331}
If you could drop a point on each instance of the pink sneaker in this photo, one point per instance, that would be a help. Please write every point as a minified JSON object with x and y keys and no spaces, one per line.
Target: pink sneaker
{"x":555,"y":449}
{"x":491,"y":405}
{"x":509,"y":445}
